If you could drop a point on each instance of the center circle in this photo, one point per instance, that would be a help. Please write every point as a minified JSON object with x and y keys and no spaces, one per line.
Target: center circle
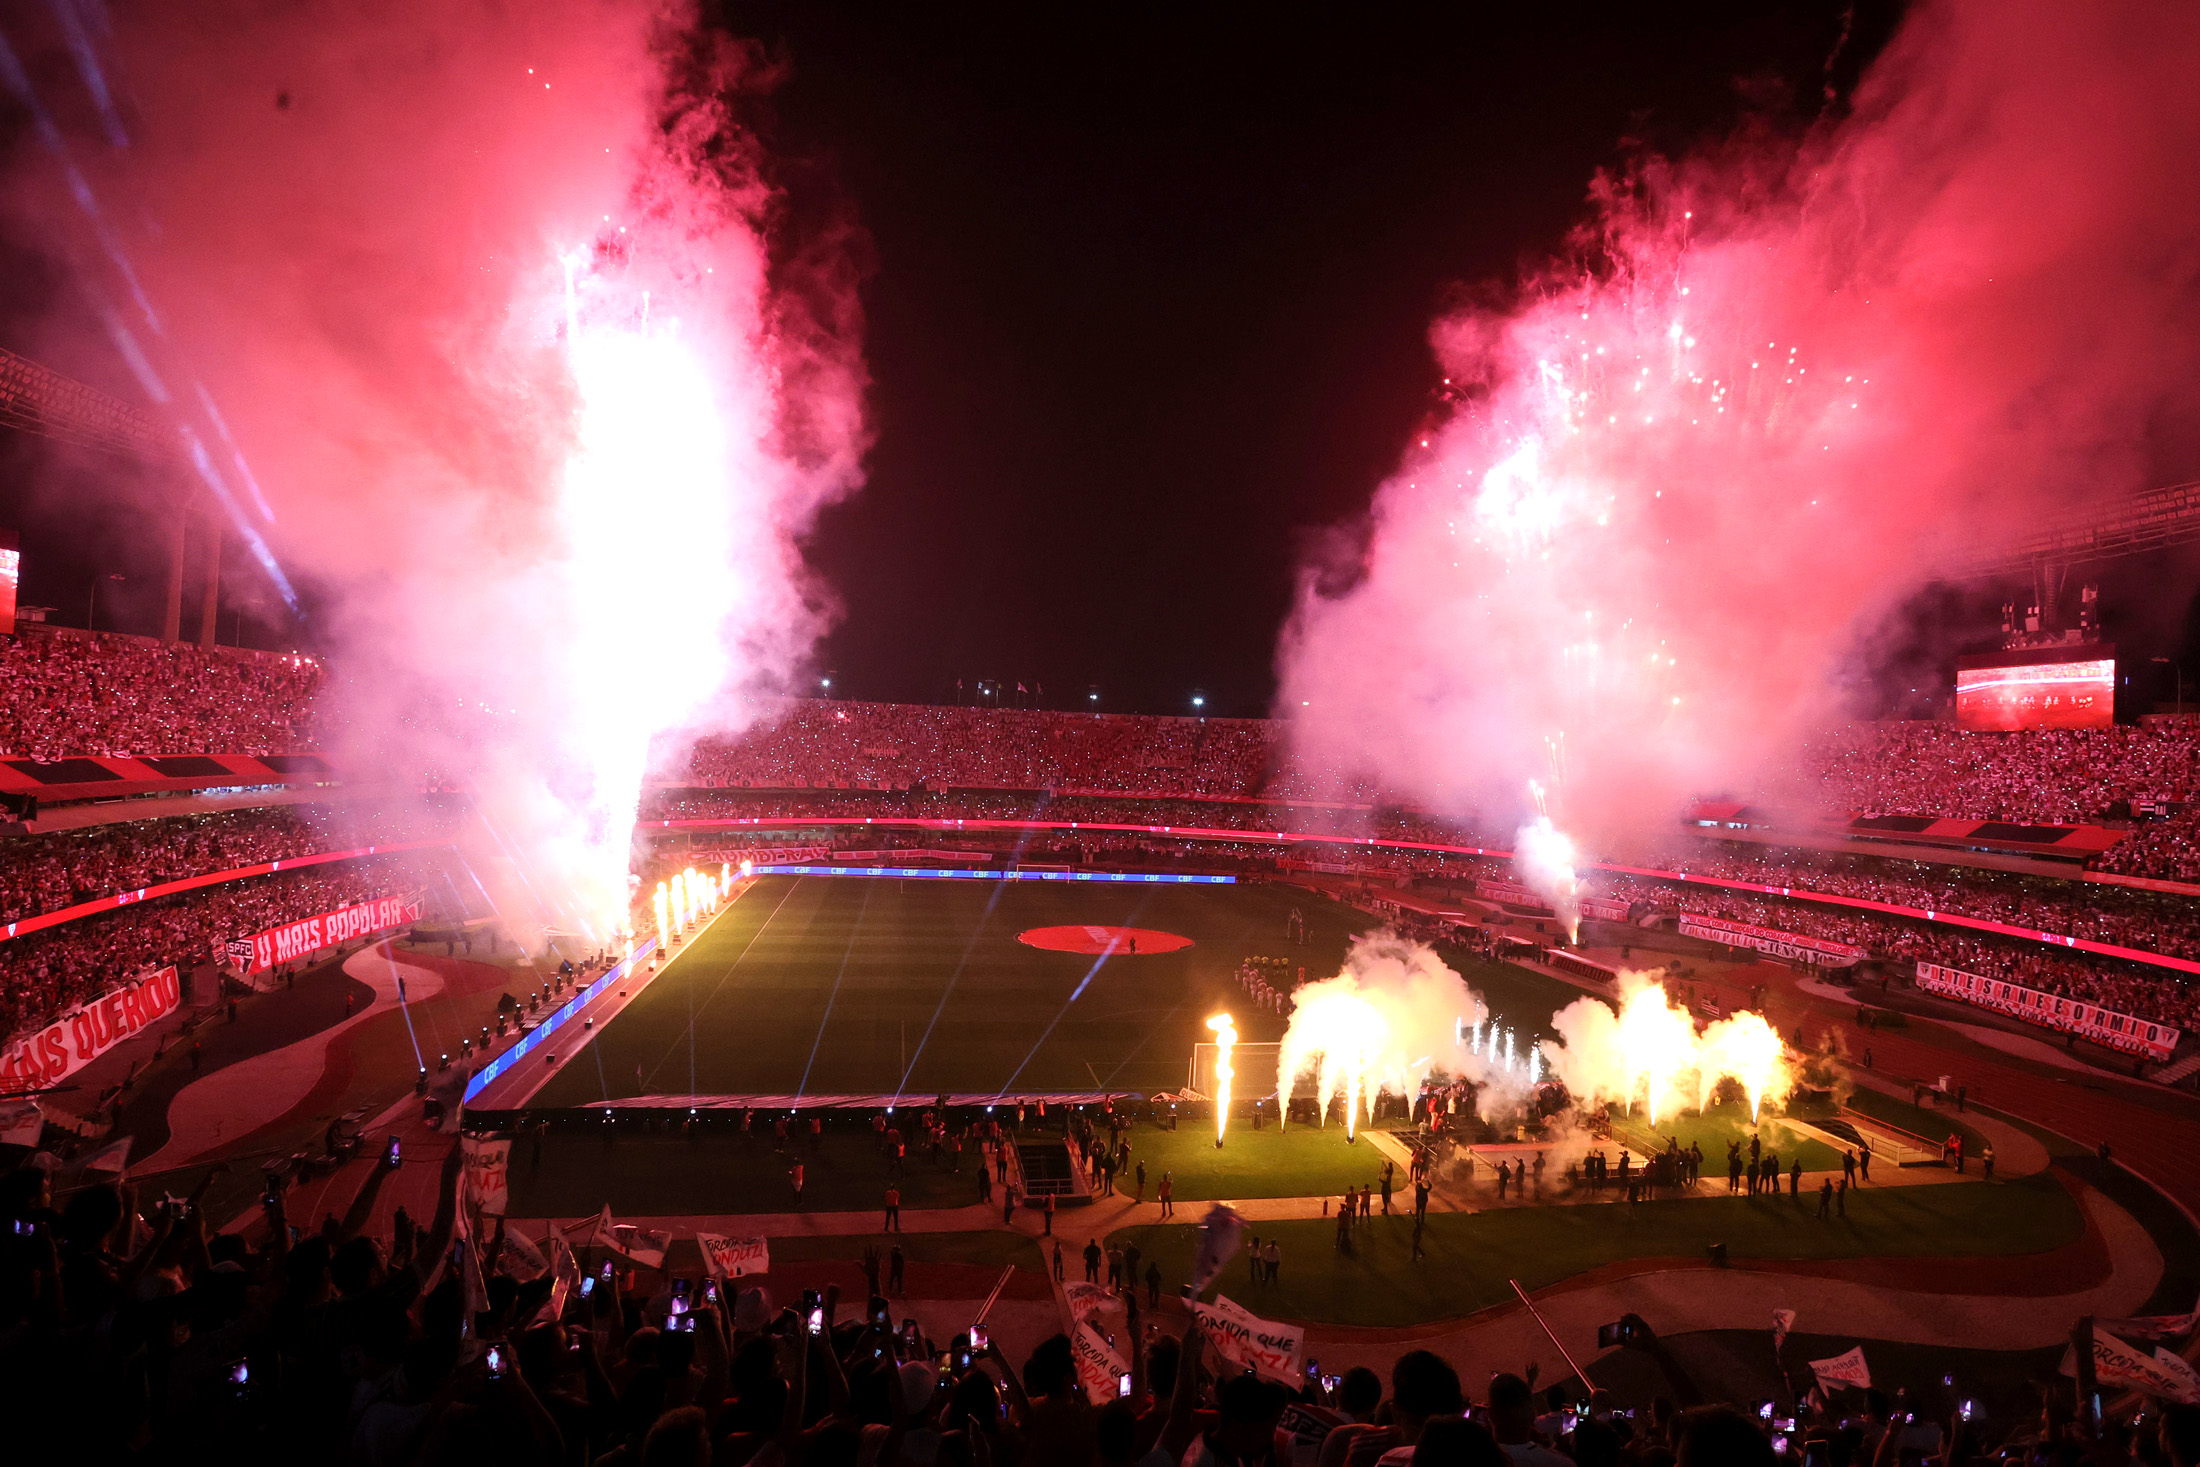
{"x":1118,"y":942}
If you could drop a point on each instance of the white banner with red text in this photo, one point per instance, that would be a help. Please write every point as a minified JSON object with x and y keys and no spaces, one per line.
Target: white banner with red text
{"x":2126,"y":1032}
{"x":733,"y":1258}
{"x":736,"y":856}
{"x":302,"y":938}
{"x":49,"y":1055}
{"x":1099,"y":1369}
{"x":1790,"y":945}
{"x":1510,"y":893}
{"x":487,"y":1174}
{"x":1260,"y":1345}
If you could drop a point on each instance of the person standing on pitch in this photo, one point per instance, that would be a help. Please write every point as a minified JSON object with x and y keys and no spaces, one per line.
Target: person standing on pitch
{"x":893,"y":1210}
{"x":794,"y":1175}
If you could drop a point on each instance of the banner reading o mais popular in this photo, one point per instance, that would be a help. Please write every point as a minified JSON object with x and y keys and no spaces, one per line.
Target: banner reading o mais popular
{"x":298,"y":939}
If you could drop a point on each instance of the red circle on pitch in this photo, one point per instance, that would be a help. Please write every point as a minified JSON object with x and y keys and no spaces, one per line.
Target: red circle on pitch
{"x":1115,"y":941}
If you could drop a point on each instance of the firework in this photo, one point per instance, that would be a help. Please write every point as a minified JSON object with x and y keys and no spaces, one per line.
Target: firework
{"x":1225,"y":1039}
{"x":1648,"y":1053}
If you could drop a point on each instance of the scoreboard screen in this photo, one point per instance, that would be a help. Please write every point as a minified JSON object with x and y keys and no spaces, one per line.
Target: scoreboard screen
{"x":11,"y":571}
{"x":2074,"y":693}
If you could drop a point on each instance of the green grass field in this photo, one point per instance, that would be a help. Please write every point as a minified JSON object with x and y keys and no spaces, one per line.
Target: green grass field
{"x":813,"y":985}
{"x":817,"y":985}
{"x":1714,"y":1128}
{"x":1469,"y":1256}
{"x":1304,"y":1161}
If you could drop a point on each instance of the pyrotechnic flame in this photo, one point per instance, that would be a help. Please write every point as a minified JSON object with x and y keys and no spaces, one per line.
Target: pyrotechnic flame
{"x":1649,"y":1054}
{"x":1748,"y":1049}
{"x":1394,"y":1016}
{"x":1225,"y":1039}
{"x":1658,"y":1041}
{"x":1544,"y":857}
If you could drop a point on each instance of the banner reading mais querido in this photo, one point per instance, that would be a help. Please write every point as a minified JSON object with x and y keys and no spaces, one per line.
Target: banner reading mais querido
{"x":49,"y":1055}
{"x":297,"y":939}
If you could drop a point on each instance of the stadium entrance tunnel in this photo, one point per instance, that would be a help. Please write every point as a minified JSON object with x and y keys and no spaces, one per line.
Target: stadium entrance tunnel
{"x":1121,"y":942}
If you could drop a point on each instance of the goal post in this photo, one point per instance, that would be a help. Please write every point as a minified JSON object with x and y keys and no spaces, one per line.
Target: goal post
{"x":1253,"y":1065}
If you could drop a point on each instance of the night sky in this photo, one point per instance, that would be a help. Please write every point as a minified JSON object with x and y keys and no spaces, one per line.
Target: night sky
{"x":1150,"y":294}
{"x":1147,"y":297}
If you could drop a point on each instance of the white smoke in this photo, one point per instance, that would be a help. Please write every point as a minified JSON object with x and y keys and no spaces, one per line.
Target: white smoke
{"x":1394,"y":1016}
{"x":1544,"y":857}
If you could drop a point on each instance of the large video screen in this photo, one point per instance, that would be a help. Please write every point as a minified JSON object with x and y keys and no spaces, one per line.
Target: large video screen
{"x":11,"y":568}
{"x":2078,"y":694}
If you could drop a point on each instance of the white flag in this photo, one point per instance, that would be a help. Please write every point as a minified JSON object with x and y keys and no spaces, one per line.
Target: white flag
{"x":1084,"y":1300}
{"x":733,"y":1258}
{"x":486,"y":1174}
{"x":1099,"y":1369}
{"x":21,"y":1123}
{"x":1847,"y":1369}
{"x":1219,"y":1233}
{"x":635,"y":1245}
{"x":113,"y":1157}
{"x":519,"y":1257}
{"x":1270,"y":1348}
{"x":2162,"y":1374}
{"x":565,"y":1278}
{"x":2153,"y":1326}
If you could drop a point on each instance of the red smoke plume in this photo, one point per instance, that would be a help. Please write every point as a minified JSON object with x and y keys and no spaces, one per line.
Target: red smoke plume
{"x":486,"y":294}
{"x":1774,"y":385}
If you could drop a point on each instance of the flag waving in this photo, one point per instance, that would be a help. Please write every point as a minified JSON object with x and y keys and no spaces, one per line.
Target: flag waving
{"x":1219,"y":1233}
{"x":1846,"y":1369}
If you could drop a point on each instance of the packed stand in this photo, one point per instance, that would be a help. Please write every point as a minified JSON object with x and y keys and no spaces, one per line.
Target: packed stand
{"x":44,"y":973}
{"x":802,"y":742}
{"x":72,"y":697}
{"x":2037,"y":777}
{"x":45,"y":873}
{"x":137,"y":1331}
{"x":2148,"y":993}
{"x":2144,"y":920}
{"x":2165,"y":850}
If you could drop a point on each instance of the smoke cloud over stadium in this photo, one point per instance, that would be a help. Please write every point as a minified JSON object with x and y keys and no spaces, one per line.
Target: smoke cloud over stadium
{"x":1765,"y":391}
{"x":496,"y":302}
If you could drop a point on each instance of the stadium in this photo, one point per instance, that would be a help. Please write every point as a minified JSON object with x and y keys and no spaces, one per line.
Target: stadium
{"x":535,"y":930}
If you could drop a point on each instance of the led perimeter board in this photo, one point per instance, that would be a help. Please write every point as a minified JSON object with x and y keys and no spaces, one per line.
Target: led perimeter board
{"x":2071,"y":686}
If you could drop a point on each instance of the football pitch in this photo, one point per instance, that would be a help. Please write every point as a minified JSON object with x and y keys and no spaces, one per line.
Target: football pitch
{"x":883,"y":985}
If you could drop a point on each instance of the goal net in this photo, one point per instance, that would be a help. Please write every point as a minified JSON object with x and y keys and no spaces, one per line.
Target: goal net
{"x":1254,"y":1066}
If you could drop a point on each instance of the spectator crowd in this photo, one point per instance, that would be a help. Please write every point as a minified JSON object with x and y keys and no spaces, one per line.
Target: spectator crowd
{"x":67,"y":697}
{"x":2037,"y":777}
{"x":816,"y":744}
{"x":47,"y":872}
{"x":134,"y":1330}
{"x":42,"y":974}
